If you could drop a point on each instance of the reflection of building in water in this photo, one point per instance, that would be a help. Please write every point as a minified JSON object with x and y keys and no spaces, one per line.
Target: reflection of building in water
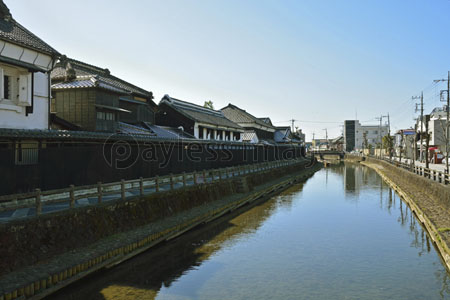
{"x":356,"y":177}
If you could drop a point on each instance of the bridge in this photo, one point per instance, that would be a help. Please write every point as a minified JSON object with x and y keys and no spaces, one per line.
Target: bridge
{"x":323,"y":153}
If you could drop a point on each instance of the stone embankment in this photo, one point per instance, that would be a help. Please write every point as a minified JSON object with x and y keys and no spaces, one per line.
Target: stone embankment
{"x":428,"y":199}
{"x":42,"y":254}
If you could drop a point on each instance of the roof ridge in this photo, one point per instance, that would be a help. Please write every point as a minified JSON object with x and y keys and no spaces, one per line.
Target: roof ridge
{"x":56,"y":53}
{"x":197,"y":105}
{"x":106,"y":72}
{"x":256,"y":119}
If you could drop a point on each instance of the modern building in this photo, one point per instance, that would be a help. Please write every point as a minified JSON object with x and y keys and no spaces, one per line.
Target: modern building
{"x":92,"y":99}
{"x":25,"y":62}
{"x":357,"y":136}
{"x":198,"y":121}
{"x":257,"y":130}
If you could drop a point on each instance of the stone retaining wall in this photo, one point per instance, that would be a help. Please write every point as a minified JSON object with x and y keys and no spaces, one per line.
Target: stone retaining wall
{"x":30,"y":241}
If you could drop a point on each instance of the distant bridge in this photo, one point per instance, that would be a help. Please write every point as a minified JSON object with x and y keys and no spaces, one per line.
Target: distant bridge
{"x":324,"y":153}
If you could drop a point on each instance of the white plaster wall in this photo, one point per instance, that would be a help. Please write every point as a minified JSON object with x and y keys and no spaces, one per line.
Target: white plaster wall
{"x":14,"y":117}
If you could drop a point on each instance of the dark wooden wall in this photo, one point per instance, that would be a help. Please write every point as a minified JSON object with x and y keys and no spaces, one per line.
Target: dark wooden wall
{"x":60,"y":165}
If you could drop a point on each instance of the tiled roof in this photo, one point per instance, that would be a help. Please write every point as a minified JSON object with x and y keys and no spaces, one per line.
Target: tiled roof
{"x":199,"y":113}
{"x":65,"y":66}
{"x":87,"y":82}
{"x":266,"y":120}
{"x":281,"y":135}
{"x":12,"y":31}
{"x":153,"y":131}
{"x":169,"y":132}
{"x":240,"y":116}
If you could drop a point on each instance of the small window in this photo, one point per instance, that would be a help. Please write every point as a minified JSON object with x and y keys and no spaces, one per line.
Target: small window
{"x":7,"y":87}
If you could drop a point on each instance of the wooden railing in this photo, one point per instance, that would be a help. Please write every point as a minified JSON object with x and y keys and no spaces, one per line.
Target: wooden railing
{"x":70,"y":195}
{"x":432,"y":174}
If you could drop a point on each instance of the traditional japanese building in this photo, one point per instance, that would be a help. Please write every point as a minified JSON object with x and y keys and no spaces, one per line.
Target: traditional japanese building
{"x":25,"y":62}
{"x":256,"y":130}
{"x":201,"y":122}
{"x":94,"y":100}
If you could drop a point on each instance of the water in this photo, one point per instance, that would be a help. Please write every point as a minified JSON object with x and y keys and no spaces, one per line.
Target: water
{"x":344,"y":234}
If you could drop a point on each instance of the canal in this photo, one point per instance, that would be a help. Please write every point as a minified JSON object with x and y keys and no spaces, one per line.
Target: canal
{"x":343,"y":234}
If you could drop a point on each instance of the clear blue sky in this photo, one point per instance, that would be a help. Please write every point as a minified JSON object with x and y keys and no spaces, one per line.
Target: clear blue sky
{"x":315,"y":61}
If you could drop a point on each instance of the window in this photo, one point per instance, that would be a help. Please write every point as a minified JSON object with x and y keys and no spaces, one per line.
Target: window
{"x":7,"y":87}
{"x":27,"y":153}
{"x":15,"y":86}
{"x":109,"y":116}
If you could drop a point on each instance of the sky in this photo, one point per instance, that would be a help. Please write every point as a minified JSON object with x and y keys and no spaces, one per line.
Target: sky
{"x":317,"y":62}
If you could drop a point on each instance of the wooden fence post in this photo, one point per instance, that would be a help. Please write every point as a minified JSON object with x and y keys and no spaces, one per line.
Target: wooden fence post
{"x":157,"y":183}
{"x":99,"y":192}
{"x":204,"y":176}
{"x":72,"y":196}
{"x":38,"y":202}
{"x":184,"y":179}
{"x":171,"y":181}
{"x":212,"y":175}
{"x":141,"y":186}
{"x":122,"y":189}
{"x":195,"y":177}
{"x":220,"y":174}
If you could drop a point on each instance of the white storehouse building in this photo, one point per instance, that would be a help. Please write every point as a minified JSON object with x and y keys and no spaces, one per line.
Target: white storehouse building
{"x":25,"y":62}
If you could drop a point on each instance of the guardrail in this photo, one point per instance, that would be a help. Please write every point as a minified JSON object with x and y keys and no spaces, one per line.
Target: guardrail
{"x":69,"y":195}
{"x":432,"y":174}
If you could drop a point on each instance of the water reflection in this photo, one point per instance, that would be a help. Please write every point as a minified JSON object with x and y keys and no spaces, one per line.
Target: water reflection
{"x":145,"y":275}
{"x":354,"y":239}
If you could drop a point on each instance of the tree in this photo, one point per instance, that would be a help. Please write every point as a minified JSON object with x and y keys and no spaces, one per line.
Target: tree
{"x":388,"y":143}
{"x":209,"y":104}
{"x":365,"y":141}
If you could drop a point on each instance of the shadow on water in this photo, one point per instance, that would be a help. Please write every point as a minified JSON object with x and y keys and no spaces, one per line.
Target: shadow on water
{"x":145,"y":275}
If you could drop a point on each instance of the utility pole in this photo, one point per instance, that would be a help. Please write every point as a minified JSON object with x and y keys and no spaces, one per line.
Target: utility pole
{"x":389,"y":125}
{"x":421,"y":124}
{"x":446,"y":121}
{"x":379,"y":134}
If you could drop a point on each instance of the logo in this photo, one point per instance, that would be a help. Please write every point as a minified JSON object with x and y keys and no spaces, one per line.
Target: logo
{"x":121,"y":151}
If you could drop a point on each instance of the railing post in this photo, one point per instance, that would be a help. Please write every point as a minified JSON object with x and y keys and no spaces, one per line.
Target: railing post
{"x":122,"y":189}
{"x":195,"y":177}
{"x":141,"y":186}
{"x":99,"y":191}
{"x":38,"y":202}
{"x":157,"y":183}
{"x":184,"y":179}
{"x":212,"y":175}
{"x":72,"y":196}
{"x":220,"y":174}
{"x":204,"y":176}
{"x":171,"y":181}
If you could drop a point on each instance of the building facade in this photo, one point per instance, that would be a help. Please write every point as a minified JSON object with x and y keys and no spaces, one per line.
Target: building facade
{"x":257,"y":130}
{"x":357,"y":136}
{"x":201,"y":122}
{"x":92,"y":99}
{"x":25,"y":62}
